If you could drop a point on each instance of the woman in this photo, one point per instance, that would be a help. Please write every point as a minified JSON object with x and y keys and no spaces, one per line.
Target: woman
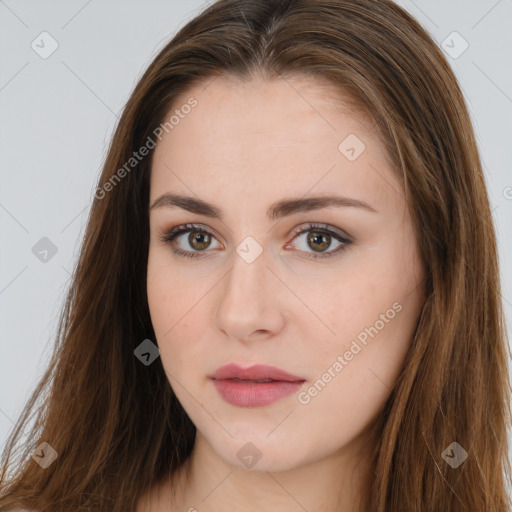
{"x":288,"y":293}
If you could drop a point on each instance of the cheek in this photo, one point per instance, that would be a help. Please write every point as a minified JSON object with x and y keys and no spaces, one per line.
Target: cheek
{"x":354,"y":374}
{"x":372,"y":312}
{"x":178,"y":316}
{"x":356,"y":300}
{"x":168,"y":297}
{"x":354,"y":378}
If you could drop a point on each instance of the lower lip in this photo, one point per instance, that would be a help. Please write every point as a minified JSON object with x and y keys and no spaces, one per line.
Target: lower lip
{"x":254,"y":394}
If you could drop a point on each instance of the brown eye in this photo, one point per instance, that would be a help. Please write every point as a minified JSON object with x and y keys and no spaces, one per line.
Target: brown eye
{"x":199,"y":240}
{"x":313,"y":241}
{"x":319,"y":242}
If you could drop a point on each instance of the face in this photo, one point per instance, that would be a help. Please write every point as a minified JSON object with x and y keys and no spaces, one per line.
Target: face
{"x":328,"y":292}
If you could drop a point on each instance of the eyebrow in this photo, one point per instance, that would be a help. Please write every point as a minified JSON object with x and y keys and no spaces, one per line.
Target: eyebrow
{"x":276,"y":211}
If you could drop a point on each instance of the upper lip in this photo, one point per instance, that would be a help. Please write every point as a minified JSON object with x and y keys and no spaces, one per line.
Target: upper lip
{"x":256,"y":372}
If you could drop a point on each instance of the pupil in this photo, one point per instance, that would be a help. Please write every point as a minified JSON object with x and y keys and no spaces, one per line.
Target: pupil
{"x":320,"y":238}
{"x":199,"y":240}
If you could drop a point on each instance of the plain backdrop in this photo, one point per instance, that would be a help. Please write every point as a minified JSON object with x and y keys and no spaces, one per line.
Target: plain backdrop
{"x":58,"y":111}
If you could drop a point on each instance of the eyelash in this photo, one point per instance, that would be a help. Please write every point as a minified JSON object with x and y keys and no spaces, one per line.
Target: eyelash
{"x":169,"y":237}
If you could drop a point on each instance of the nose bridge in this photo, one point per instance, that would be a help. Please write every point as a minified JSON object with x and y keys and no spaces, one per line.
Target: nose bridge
{"x":246,"y":281}
{"x":247,"y":302}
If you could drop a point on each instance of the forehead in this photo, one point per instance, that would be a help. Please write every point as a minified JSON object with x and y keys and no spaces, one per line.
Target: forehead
{"x":230,"y":106}
{"x":269,"y":136}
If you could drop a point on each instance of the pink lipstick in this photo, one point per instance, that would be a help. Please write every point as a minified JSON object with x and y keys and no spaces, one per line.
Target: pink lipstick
{"x":256,"y":386}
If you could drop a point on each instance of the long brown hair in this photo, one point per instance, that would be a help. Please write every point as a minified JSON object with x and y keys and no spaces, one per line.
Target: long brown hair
{"x":115,"y":423}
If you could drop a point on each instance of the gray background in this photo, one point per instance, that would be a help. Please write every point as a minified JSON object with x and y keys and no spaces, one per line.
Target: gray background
{"x":58,"y":114}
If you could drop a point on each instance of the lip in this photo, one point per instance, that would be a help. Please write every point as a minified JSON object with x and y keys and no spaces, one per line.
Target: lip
{"x":256,"y":372}
{"x":235,"y":384}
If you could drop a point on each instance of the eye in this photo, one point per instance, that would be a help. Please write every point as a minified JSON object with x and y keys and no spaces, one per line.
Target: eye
{"x":320,"y":237}
{"x":199,"y":239}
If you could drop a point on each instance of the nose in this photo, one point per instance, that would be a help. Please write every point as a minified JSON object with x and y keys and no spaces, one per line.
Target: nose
{"x":251,"y":302}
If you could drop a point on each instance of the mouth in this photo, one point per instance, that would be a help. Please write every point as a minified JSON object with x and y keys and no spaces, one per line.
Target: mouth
{"x":255,"y":373}
{"x":236,"y":379}
{"x":256,"y":386}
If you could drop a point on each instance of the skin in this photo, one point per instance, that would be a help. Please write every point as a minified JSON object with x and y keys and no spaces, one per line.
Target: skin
{"x":243,"y":147}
